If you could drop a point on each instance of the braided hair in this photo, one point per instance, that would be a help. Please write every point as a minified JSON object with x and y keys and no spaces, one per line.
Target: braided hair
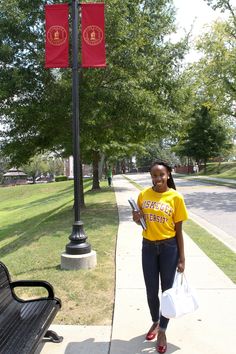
{"x":170,"y":181}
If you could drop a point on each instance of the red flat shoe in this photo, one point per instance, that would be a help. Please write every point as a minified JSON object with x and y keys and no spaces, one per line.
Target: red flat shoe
{"x":161,"y":339}
{"x":152,"y":333}
{"x":161,"y":348}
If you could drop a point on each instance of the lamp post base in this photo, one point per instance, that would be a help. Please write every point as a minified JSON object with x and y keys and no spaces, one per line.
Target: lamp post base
{"x":75,"y":248}
{"x":78,"y":244}
{"x":83,"y":261}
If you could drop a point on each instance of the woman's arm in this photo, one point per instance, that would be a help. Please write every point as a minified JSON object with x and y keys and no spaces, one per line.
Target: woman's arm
{"x":180,"y":241}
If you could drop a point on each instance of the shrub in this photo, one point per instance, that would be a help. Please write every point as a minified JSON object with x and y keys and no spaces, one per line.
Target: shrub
{"x":61,"y":178}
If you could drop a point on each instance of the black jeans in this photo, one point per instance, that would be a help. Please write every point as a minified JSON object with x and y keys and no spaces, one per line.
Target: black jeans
{"x":159,"y":260}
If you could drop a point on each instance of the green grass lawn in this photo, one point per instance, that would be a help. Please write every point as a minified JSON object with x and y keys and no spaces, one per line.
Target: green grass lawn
{"x":35,"y":223}
{"x":222,"y":170}
{"x":221,"y":255}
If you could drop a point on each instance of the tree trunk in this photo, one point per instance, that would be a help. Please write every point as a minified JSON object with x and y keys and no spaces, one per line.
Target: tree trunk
{"x":101,"y":166}
{"x":118,"y":167}
{"x":188,"y":166}
{"x":205,"y":167}
{"x":218,"y":167}
{"x":96,"y":158}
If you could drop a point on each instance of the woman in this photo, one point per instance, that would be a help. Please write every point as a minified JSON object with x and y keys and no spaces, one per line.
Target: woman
{"x":164,"y":210}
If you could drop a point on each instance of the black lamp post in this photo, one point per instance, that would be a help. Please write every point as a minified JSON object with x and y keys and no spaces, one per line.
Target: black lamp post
{"x":78,"y":244}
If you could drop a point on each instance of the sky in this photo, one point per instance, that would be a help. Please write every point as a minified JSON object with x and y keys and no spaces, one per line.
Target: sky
{"x":198,"y":14}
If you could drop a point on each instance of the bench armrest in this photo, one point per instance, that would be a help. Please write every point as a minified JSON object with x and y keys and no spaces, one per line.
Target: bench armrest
{"x":34,"y":283}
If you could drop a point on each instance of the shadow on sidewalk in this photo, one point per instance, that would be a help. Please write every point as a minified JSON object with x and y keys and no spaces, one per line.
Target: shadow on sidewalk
{"x":138,"y":345}
{"x":134,"y":346}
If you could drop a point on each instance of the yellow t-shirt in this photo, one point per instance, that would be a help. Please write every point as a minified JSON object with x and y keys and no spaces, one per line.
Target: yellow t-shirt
{"x":161,"y":212}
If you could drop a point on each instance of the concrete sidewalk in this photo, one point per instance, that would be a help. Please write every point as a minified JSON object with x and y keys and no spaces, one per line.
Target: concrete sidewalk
{"x":210,"y":330}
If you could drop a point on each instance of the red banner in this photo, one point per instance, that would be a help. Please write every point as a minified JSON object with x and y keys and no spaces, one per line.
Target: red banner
{"x":93,"y":35}
{"x":57,"y":36}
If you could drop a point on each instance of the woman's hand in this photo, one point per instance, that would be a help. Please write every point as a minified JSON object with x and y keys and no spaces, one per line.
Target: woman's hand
{"x":137,"y":215}
{"x":181,"y":265}
{"x":180,"y":241}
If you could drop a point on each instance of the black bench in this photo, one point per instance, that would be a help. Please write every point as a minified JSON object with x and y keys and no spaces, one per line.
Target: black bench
{"x":24,"y":323}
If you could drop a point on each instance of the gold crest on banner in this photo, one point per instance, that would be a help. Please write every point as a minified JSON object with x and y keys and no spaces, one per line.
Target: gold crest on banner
{"x":93,"y":35}
{"x":57,"y":35}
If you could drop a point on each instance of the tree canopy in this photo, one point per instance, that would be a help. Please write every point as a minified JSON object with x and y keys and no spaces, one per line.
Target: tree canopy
{"x":122,"y":105}
{"x":208,"y":93}
{"x":141,"y":98}
{"x":205,"y":137}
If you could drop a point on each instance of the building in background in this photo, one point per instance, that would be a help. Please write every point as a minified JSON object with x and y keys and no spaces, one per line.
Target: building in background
{"x":69,"y":168}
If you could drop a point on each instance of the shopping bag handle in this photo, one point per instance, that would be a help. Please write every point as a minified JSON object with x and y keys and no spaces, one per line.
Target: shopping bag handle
{"x":178,"y":280}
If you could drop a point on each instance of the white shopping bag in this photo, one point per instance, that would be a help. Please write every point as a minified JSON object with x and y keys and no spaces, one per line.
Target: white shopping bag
{"x":179,"y":300}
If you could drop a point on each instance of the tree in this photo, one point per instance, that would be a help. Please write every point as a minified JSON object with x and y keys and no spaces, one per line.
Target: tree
{"x":35,"y":167}
{"x":55,"y":165}
{"x":217,"y":69}
{"x":210,"y":83}
{"x":159,"y":150}
{"x":206,"y":137}
{"x":223,"y":5}
{"x":4,"y":165}
{"x":40,"y":165}
{"x":132,"y":99}
{"x":30,"y":96}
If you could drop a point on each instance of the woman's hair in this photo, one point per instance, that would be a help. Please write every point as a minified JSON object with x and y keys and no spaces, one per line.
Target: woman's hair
{"x":170,"y":181}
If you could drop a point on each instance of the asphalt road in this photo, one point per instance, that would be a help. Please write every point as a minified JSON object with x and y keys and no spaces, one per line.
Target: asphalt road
{"x":213,"y":207}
